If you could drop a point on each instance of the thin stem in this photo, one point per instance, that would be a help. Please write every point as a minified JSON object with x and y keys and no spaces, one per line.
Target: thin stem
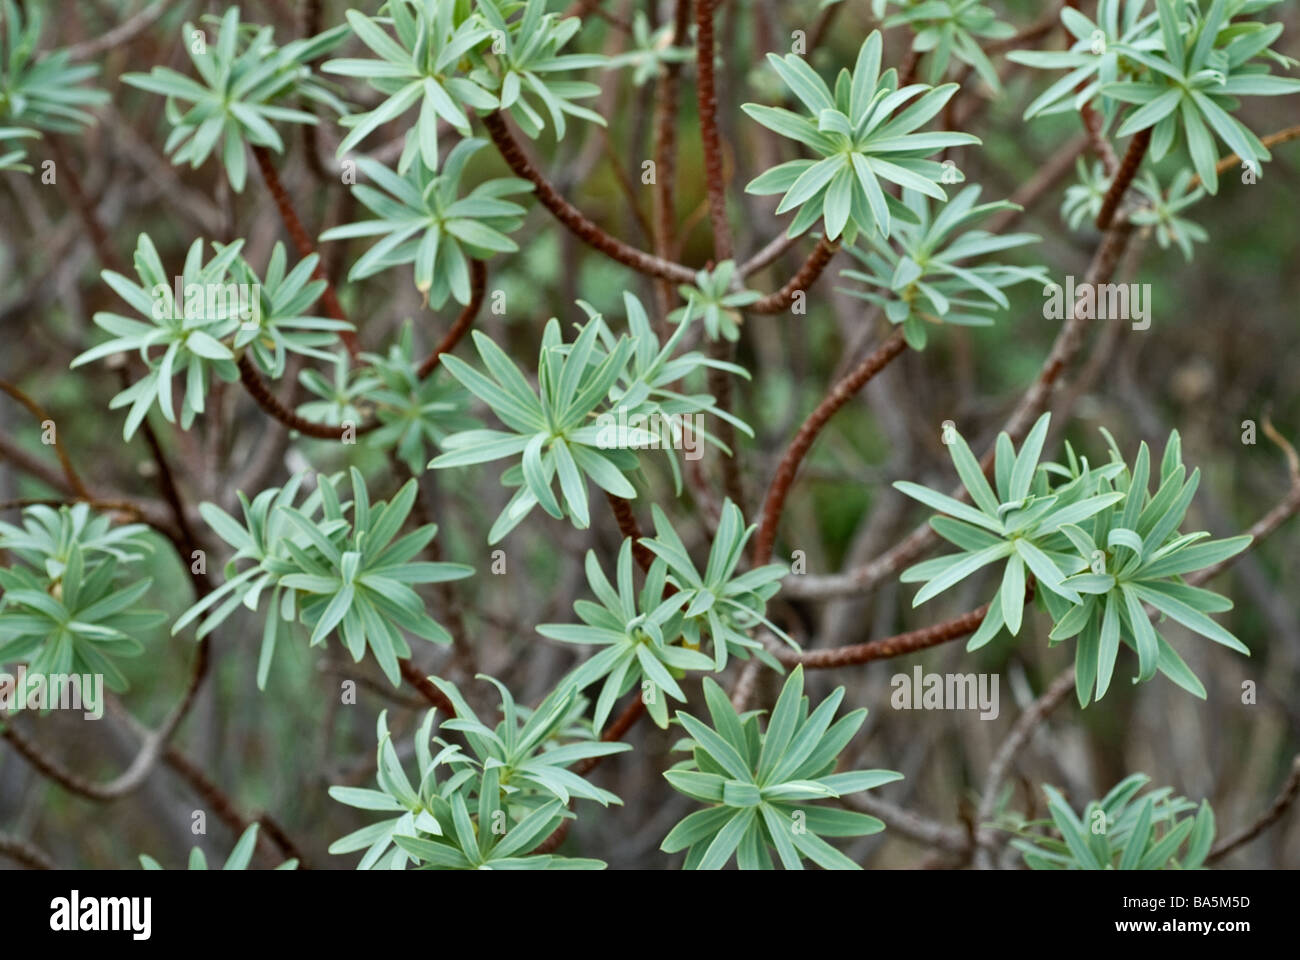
{"x":1128,"y":168}
{"x":25,"y":853}
{"x":1290,"y":790}
{"x":804,"y":278}
{"x":1069,"y":340}
{"x":665,"y":155}
{"x":839,"y":395}
{"x":887,"y":647}
{"x":630,"y":529}
{"x":260,"y":392}
{"x":37,"y":411}
{"x":224,"y":807}
{"x":416,"y":678}
{"x":1021,"y":732}
{"x":1101,"y":146}
{"x":571,"y":216}
{"x":1231,"y":160}
{"x":302,"y":241}
{"x":707,"y":97}
{"x":477,"y":289}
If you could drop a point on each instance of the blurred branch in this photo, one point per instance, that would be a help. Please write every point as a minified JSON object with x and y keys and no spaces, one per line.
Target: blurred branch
{"x":1021,"y":732}
{"x":838,"y":396}
{"x":25,"y":853}
{"x":302,"y":241}
{"x":37,"y":411}
{"x":477,"y":289}
{"x":571,"y":216}
{"x":1290,"y":790}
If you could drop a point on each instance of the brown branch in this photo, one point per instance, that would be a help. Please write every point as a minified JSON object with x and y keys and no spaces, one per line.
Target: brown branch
{"x":477,"y":289}
{"x":1021,"y":731}
{"x":571,"y":216}
{"x":706,"y":95}
{"x":37,"y":411}
{"x":268,"y":401}
{"x":416,"y":678}
{"x":225,"y":810}
{"x":773,"y":249}
{"x":1231,"y":160}
{"x":1128,"y":168}
{"x":887,"y":647}
{"x":120,"y":35}
{"x":1290,"y":790}
{"x":153,"y":744}
{"x":804,"y":278}
{"x":85,"y":207}
{"x":630,"y":529}
{"x":302,"y":242}
{"x":664,"y":208}
{"x":1101,"y":146}
{"x":25,"y":853}
{"x":839,"y":395}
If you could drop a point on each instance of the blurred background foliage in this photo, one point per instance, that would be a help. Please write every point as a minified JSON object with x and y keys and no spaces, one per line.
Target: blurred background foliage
{"x":1222,"y":348}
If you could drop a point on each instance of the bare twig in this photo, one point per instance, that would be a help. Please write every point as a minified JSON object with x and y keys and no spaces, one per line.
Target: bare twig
{"x":302,"y":242}
{"x":838,"y":396}
{"x":1290,"y":790}
{"x":477,"y":288}
{"x":572,"y":217}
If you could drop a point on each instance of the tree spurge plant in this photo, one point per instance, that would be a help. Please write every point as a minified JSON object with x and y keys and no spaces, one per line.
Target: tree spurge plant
{"x":370,"y":395}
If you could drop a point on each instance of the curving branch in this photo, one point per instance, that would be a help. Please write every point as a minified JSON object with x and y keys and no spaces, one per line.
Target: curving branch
{"x":37,"y":411}
{"x":1021,"y":732}
{"x":1290,"y":790}
{"x":1231,"y":160}
{"x":260,"y":392}
{"x":225,"y":810}
{"x":19,"y":850}
{"x":804,"y":278}
{"x":667,"y":90}
{"x":839,"y":395}
{"x":153,"y":745}
{"x":302,"y":242}
{"x":477,"y":289}
{"x":1069,"y":340}
{"x":571,"y":216}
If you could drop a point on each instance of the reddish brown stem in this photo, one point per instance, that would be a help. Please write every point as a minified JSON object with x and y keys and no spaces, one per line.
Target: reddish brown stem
{"x":259,"y":391}
{"x":630,"y":529}
{"x":666,"y":103}
{"x":1098,"y":140}
{"x":883,"y":649}
{"x":30,"y":856}
{"x":838,"y":396}
{"x":302,"y":241}
{"x":226,"y":811}
{"x":37,"y":411}
{"x":707,"y":97}
{"x":572,"y":217}
{"x":413,"y":675}
{"x":1128,"y":168}
{"x":477,"y":288}
{"x":804,"y":278}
